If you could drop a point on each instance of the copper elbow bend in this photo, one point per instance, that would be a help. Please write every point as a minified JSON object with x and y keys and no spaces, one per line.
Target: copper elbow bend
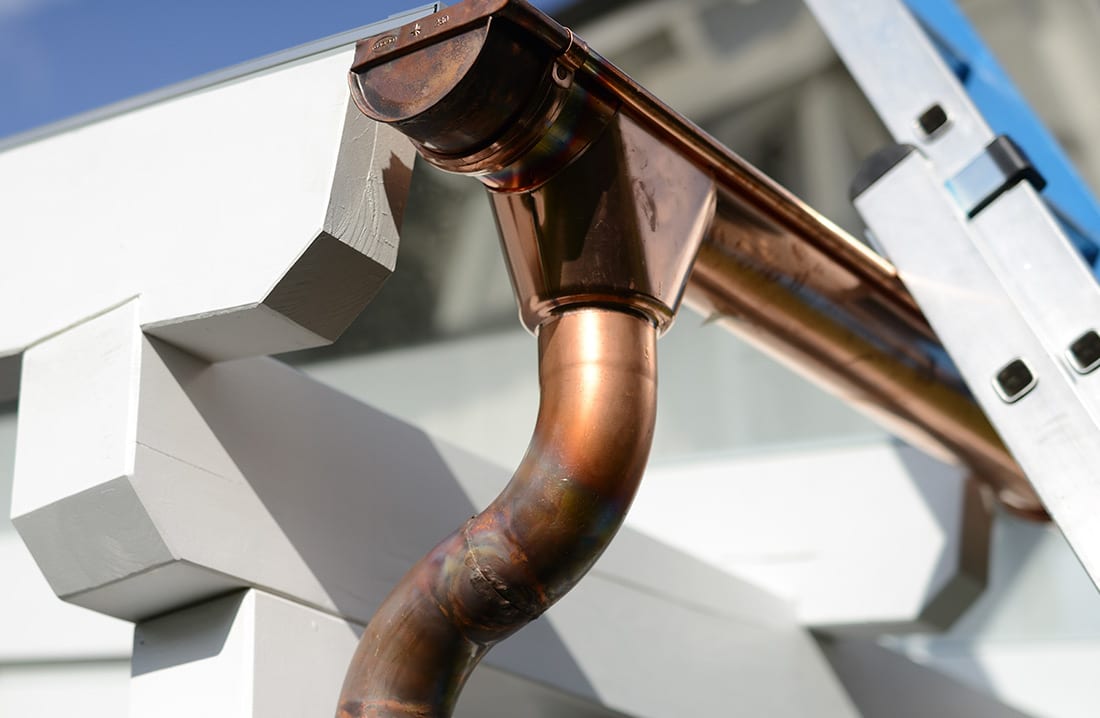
{"x":508,"y":564}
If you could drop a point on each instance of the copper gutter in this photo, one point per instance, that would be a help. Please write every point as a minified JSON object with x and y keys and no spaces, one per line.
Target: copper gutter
{"x":605,"y":200}
{"x":791,"y":300}
{"x":762,"y":232}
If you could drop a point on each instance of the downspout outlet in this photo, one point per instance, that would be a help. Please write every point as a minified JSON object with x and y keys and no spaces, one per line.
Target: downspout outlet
{"x":600,"y":224}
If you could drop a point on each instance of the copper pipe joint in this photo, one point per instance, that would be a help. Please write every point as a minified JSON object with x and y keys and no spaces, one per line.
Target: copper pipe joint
{"x":508,"y":564}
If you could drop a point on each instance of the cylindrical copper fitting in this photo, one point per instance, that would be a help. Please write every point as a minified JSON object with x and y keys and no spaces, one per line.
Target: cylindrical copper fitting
{"x":508,"y":564}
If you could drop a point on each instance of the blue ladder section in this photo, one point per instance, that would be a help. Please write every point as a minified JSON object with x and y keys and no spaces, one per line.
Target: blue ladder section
{"x":997,"y":98}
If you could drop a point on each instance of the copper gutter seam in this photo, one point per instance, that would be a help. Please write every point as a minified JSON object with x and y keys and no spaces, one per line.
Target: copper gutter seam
{"x":508,"y":564}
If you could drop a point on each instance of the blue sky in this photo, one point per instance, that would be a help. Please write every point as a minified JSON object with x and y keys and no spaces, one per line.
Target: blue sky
{"x":62,"y":57}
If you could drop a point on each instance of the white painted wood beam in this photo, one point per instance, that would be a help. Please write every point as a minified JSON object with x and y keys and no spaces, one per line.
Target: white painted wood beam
{"x":249,"y":474}
{"x":255,"y":216}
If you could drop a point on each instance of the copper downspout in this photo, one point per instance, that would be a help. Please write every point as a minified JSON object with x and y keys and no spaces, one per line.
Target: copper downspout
{"x":505,"y":566}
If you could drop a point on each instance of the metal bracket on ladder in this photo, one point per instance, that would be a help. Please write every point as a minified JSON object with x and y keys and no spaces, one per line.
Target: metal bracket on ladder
{"x":957,"y":210}
{"x":1026,"y":392}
